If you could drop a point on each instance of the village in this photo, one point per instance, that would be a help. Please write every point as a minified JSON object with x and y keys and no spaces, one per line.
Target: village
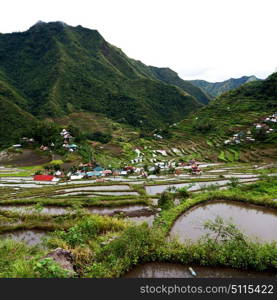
{"x":266,"y":126}
{"x":158,"y":162}
{"x":161,"y":163}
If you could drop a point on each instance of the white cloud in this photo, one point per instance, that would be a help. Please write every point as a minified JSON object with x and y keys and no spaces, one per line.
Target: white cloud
{"x":206,"y":39}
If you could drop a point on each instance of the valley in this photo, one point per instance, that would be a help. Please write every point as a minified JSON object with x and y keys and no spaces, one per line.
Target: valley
{"x":127,"y":170}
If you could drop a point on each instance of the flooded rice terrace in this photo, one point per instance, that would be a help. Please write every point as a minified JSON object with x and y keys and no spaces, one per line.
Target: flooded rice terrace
{"x":27,"y":209}
{"x":136,"y":212}
{"x":90,"y":194}
{"x":141,"y":219}
{"x":170,"y":270}
{"x":30,"y":237}
{"x":193,"y":186}
{"x":254,"y":221}
{"x":111,"y":210}
{"x":99,"y":188}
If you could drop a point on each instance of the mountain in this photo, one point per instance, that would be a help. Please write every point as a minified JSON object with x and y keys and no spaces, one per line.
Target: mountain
{"x":203,"y":134}
{"x":235,"y":109}
{"x":55,"y":69}
{"x":217,"y":88}
{"x":170,"y":77}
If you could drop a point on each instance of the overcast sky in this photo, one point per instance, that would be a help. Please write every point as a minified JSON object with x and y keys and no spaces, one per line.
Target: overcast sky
{"x":200,"y":39}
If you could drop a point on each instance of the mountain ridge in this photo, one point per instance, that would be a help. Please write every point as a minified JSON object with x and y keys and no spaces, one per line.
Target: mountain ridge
{"x":60,"y":69}
{"x":171,"y":77}
{"x":235,"y":108}
{"x":215,"y":89}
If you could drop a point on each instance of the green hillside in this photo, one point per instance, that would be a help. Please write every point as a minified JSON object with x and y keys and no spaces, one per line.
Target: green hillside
{"x":14,"y":122}
{"x":170,"y":77}
{"x":217,"y":88}
{"x":235,"y":109}
{"x":61,"y":69}
{"x":204,"y":132}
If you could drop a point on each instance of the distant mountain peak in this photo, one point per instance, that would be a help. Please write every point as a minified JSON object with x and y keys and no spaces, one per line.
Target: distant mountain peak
{"x":40,"y":24}
{"x":217,"y":88}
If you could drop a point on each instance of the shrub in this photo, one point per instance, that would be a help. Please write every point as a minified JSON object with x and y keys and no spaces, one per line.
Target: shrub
{"x":57,"y":167}
{"x":171,"y":170}
{"x":157,"y":170}
{"x":87,"y":229}
{"x":203,"y":126}
{"x":234,"y":182}
{"x":166,"y":200}
{"x":222,"y":231}
{"x":136,"y":244}
{"x":183,"y":192}
{"x":212,"y":187}
{"x":80,"y":233}
{"x":99,"y":136}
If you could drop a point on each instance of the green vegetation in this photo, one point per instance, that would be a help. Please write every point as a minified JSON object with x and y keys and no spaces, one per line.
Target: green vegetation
{"x":88,"y":228}
{"x":48,"y":268}
{"x":54,"y":69}
{"x":166,"y":200}
{"x":236,"y":109}
{"x":170,"y":77}
{"x":232,"y":113}
{"x":14,"y":121}
{"x":101,"y":245}
{"x":55,"y":76}
{"x":234,"y":251}
{"x":13,"y":262}
{"x":217,"y":88}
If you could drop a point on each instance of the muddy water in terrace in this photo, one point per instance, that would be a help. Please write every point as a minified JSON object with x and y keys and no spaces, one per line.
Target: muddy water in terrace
{"x":49,"y":210}
{"x":117,"y":193}
{"x":95,"y":194}
{"x":27,"y":185}
{"x":170,"y":270}
{"x":156,"y":189}
{"x":254,"y":221}
{"x":110,"y":210}
{"x":30,"y":237}
{"x":99,"y":188}
{"x":139,"y":220}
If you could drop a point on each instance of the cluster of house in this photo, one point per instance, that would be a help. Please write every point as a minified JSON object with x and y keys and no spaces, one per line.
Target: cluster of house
{"x":27,"y":140}
{"x":85,"y":171}
{"x":101,"y":172}
{"x":68,"y":141}
{"x":24,"y":140}
{"x":139,"y":157}
{"x":155,"y":153}
{"x":239,"y":137}
{"x":247,"y":136}
{"x":272,"y":118}
{"x":44,"y":148}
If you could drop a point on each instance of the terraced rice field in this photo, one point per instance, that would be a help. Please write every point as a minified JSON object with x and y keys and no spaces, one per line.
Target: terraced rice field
{"x":30,"y":211}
